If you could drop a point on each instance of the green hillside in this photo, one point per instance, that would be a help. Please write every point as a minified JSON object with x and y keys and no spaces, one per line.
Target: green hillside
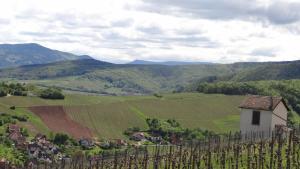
{"x":109,"y":116}
{"x":101,"y":77}
{"x":94,"y":76}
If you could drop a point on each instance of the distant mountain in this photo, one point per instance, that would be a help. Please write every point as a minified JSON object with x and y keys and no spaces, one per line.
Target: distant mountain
{"x":167,"y":63}
{"x":12,"y":55}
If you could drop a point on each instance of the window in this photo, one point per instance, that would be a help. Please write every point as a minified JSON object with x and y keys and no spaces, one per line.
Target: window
{"x":255,"y":117}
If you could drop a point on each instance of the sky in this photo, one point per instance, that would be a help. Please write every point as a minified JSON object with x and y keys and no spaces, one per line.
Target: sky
{"x":120,"y":31}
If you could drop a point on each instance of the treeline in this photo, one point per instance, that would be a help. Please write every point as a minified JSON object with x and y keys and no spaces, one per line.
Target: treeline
{"x":22,"y":89}
{"x":288,"y":89}
{"x":16,"y":89}
{"x":51,"y":93}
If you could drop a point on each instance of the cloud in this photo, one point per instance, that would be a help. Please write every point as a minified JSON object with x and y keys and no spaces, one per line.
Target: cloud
{"x":194,"y":30}
{"x":277,"y":12}
{"x":150,"y":30}
{"x":4,"y":21}
{"x":122,"y":23}
{"x":267,"y":52}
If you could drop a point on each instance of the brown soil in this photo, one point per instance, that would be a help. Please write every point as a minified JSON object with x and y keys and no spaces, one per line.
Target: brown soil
{"x":57,"y":120}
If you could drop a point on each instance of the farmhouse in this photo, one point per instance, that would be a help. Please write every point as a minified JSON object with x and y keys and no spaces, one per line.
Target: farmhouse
{"x":263,"y":114}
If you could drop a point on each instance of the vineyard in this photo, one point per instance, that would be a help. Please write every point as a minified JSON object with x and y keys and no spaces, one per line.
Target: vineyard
{"x":233,"y":151}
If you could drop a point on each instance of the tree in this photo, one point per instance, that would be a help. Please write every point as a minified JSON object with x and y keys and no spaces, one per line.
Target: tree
{"x":24,"y":132}
{"x":3,"y":92}
{"x":154,"y":124}
{"x":52,"y":93}
{"x":61,"y":138}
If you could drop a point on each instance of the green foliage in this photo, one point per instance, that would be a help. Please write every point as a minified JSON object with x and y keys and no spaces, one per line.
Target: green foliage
{"x":131,"y":130}
{"x":12,"y":155}
{"x":3,"y":92}
{"x":16,"y":89}
{"x":5,"y":119}
{"x":52,"y":93}
{"x":158,"y":95}
{"x":61,"y":138}
{"x":24,"y":132}
{"x":22,"y":118}
{"x":170,"y":127}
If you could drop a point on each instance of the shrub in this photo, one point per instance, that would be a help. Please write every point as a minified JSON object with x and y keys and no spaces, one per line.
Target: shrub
{"x":60,"y":138}
{"x":23,"y":118}
{"x":157,"y":95}
{"x":3,"y":92}
{"x":131,"y":130}
{"x":24,"y":132}
{"x":52,"y":93}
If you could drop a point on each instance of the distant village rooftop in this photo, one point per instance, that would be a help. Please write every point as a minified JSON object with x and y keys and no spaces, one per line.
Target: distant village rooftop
{"x":268,"y":103}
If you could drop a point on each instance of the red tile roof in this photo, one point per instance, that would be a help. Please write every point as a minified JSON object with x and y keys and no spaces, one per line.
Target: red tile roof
{"x":268,"y":103}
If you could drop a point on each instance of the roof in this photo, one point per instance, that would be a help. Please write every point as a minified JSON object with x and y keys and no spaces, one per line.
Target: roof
{"x":268,"y":103}
{"x":13,"y":127}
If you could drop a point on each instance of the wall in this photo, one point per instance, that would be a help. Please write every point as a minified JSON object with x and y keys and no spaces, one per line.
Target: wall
{"x":246,"y":126}
{"x":281,"y":111}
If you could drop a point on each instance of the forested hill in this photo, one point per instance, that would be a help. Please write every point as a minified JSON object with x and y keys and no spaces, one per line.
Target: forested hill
{"x":88,"y":75}
{"x":270,"y":71}
{"x":253,"y":71}
{"x":12,"y":55}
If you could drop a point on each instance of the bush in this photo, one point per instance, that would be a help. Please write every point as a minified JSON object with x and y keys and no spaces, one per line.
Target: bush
{"x":23,"y":118}
{"x":3,"y":93}
{"x":61,"y":139}
{"x":131,"y":130}
{"x":52,"y":93}
{"x":157,"y":95}
{"x":24,"y":132}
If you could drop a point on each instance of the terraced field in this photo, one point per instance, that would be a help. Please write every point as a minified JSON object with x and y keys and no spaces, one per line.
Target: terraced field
{"x":109,"y":116}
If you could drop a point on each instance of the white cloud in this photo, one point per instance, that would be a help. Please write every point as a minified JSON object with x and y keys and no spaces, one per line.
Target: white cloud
{"x":121,"y":31}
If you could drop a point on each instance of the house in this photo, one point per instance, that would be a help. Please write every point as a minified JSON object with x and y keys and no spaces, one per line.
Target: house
{"x":16,"y":136}
{"x":3,"y":163}
{"x":120,"y":142}
{"x":42,"y":149}
{"x":13,"y":128}
{"x":86,"y":143}
{"x":156,"y":140}
{"x":262,"y":114}
{"x":138,"y":136}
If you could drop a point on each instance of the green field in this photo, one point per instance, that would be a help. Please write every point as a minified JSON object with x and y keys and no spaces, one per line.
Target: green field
{"x":109,"y":116}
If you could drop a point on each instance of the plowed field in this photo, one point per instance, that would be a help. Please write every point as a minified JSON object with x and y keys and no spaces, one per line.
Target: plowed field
{"x":57,"y":120}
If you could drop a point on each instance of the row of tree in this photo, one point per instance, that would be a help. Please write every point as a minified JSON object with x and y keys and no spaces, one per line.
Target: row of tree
{"x":16,"y":89}
{"x":22,"y":89}
{"x":288,"y":89}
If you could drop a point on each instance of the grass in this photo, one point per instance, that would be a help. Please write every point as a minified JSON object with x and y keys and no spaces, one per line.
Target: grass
{"x":109,"y":116}
{"x":219,"y":113}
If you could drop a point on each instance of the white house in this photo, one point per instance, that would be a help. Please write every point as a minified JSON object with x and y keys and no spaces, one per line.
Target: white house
{"x":262,"y":114}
